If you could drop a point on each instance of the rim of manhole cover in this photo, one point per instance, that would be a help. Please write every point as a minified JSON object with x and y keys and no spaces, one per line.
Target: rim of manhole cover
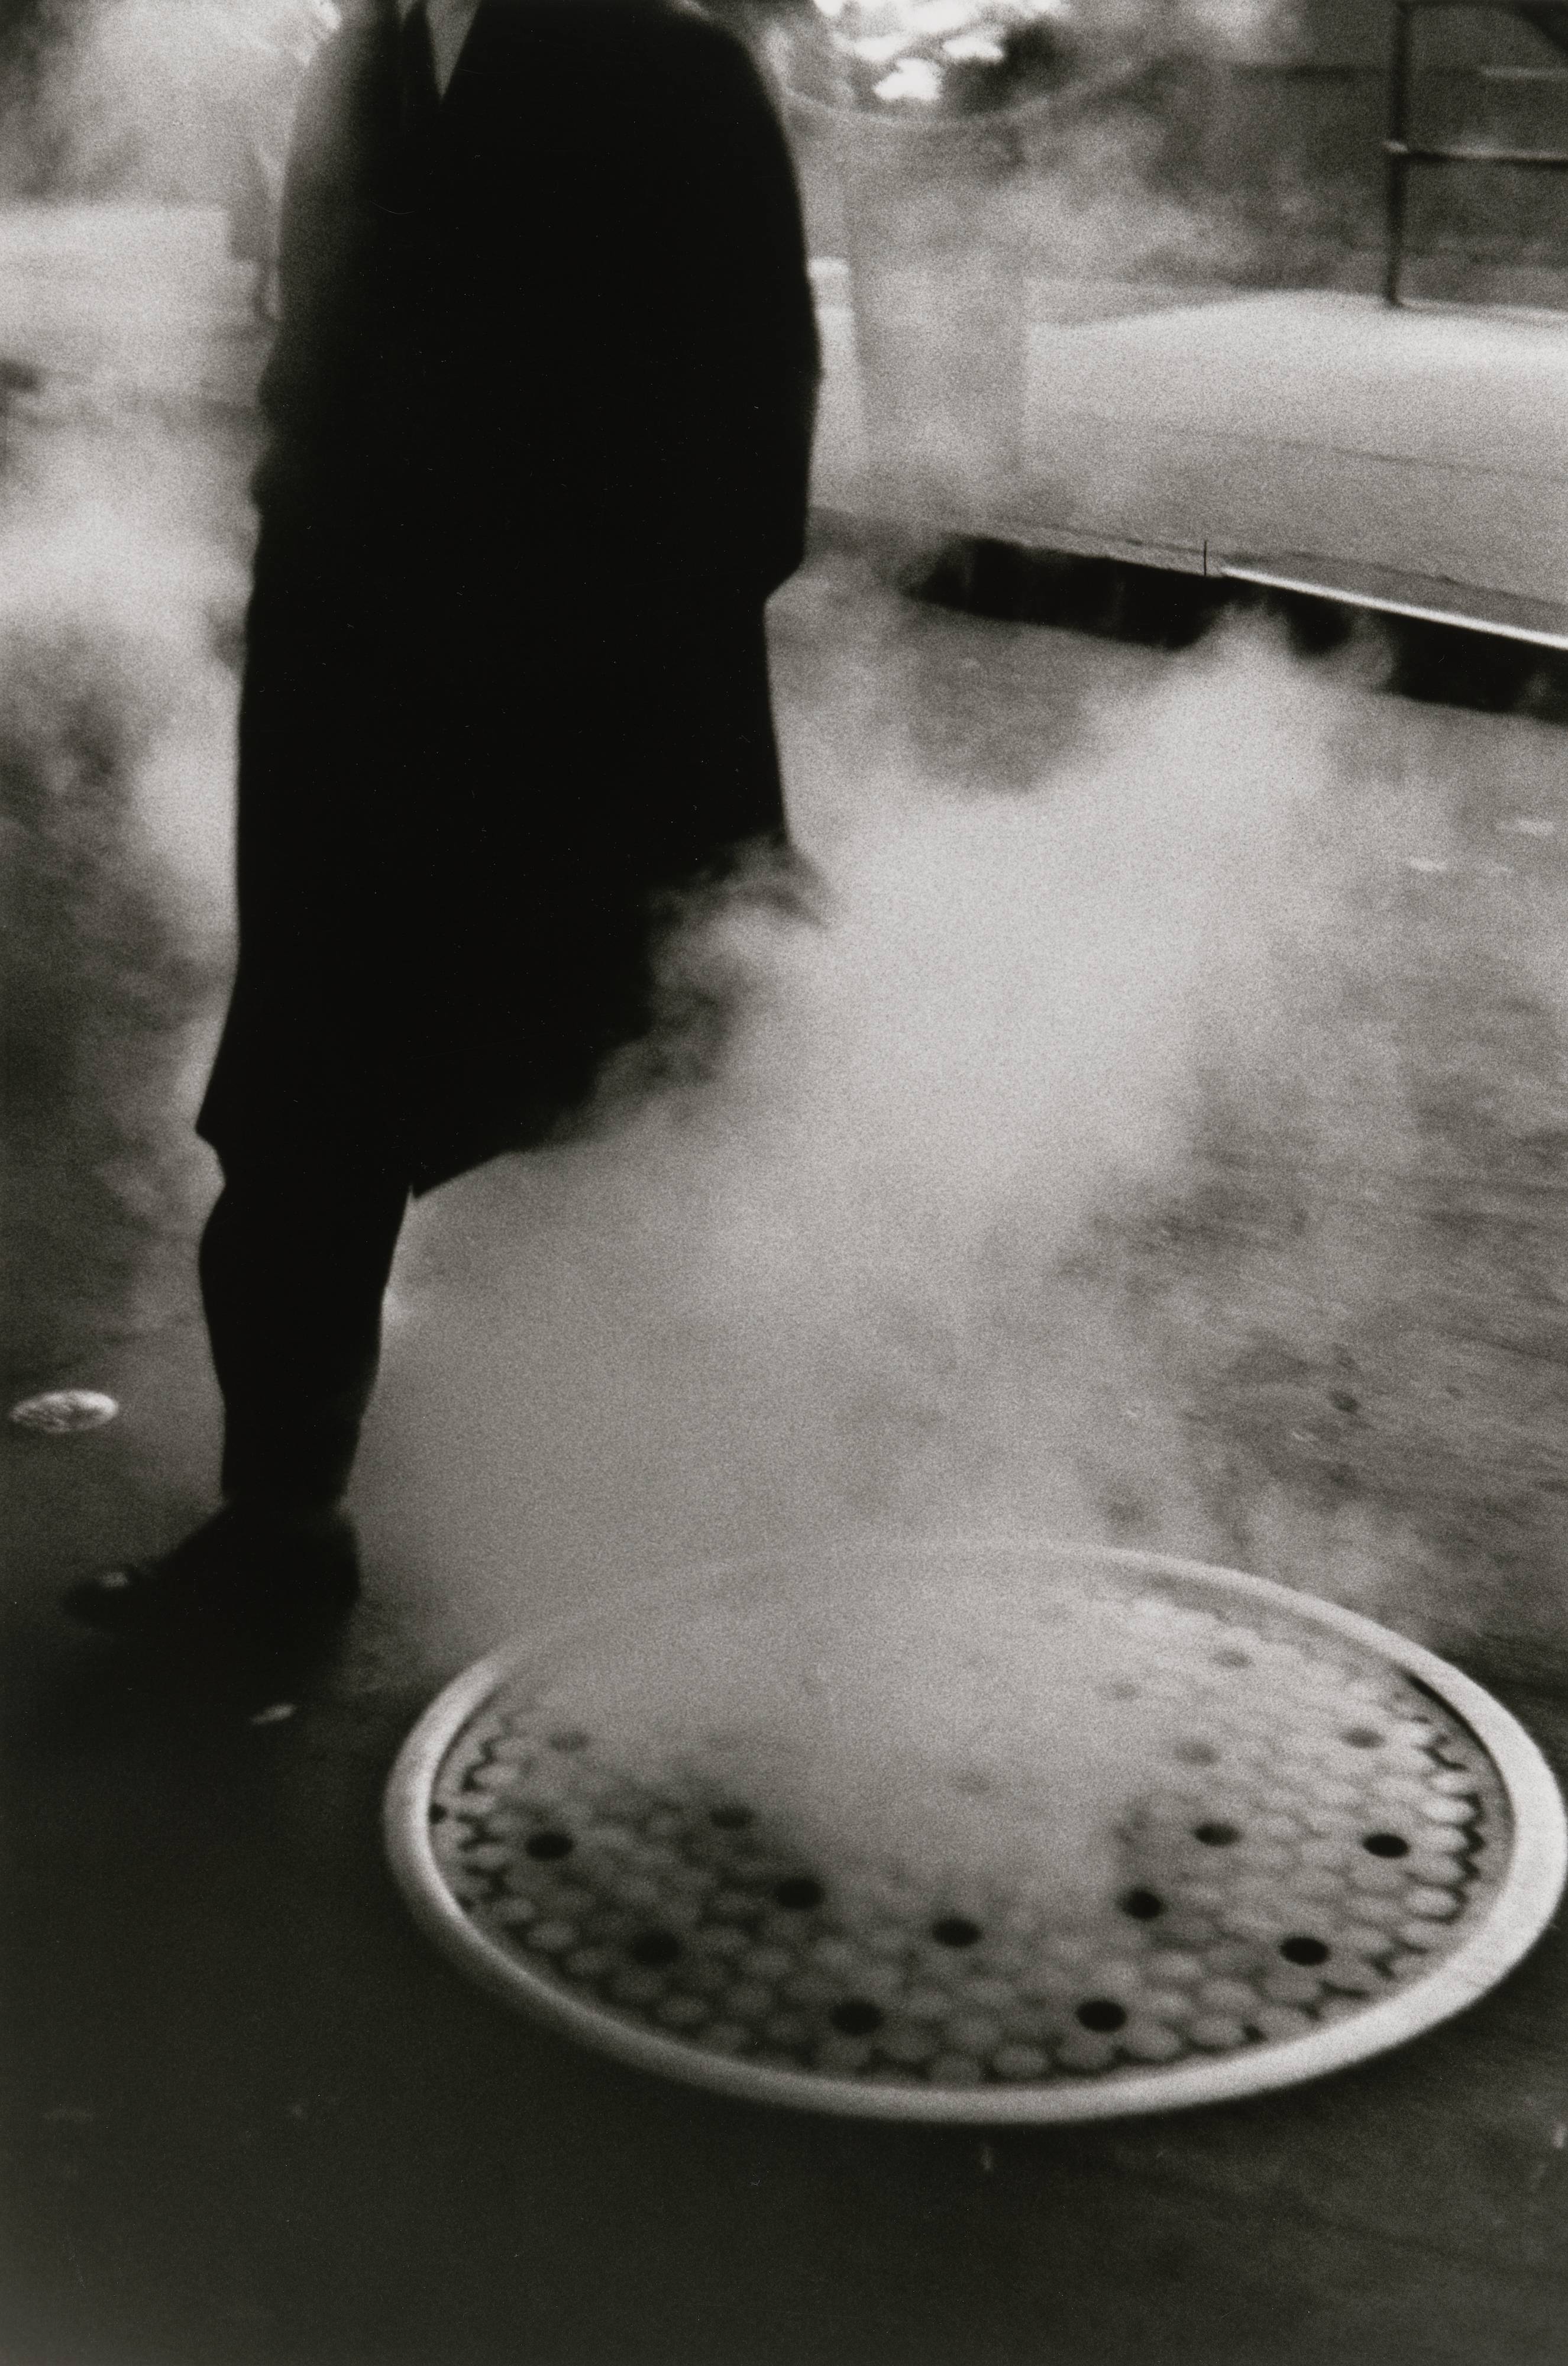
{"x":976,"y":1831}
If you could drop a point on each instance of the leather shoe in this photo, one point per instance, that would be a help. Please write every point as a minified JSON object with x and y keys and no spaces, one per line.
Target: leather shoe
{"x":244,"y":1580}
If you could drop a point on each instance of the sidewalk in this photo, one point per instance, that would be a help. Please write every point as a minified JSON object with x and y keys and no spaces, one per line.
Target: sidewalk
{"x":1412,"y":459}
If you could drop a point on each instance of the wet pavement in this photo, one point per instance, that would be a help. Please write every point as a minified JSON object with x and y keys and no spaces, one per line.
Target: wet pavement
{"x":251,"y":2120}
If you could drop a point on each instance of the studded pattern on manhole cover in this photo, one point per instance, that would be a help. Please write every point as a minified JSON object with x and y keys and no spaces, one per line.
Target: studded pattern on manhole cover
{"x":978,"y":1831}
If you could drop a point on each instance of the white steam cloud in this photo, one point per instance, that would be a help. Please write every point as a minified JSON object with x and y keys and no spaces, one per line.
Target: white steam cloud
{"x":820,"y":1271}
{"x":840,"y":1285}
{"x":186,"y":101}
{"x":117,"y":587}
{"x":1071,"y":1177}
{"x":890,"y":1718}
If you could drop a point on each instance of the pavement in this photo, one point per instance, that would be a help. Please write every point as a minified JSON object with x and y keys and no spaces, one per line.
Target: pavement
{"x":1408,"y":459}
{"x":251,"y":2120}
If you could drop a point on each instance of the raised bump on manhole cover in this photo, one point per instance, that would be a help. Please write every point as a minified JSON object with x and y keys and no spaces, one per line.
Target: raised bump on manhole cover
{"x":951,"y":1830}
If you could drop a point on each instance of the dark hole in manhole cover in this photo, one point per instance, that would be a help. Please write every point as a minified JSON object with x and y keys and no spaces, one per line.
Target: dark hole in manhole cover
{"x":1216,"y":1835}
{"x":655,"y":1948}
{"x":956,"y":1931}
{"x":799,"y":1892}
{"x":1142,"y":1905}
{"x":1386,"y":1844}
{"x":1304,"y":1951}
{"x":546,"y":1845}
{"x":856,"y":2017}
{"x":1101,"y":2015}
{"x":1362,"y":1737}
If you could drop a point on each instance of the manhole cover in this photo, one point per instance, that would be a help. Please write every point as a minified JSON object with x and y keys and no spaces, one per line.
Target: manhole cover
{"x":977,"y":1831}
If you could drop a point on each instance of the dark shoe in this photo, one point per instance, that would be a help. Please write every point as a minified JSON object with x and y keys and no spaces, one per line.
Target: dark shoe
{"x":244,"y":1581}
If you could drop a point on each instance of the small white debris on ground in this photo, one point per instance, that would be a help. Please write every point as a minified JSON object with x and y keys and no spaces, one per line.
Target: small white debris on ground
{"x":58,"y":1413}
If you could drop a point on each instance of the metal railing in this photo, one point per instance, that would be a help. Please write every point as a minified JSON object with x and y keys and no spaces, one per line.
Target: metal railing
{"x":1548,"y":18}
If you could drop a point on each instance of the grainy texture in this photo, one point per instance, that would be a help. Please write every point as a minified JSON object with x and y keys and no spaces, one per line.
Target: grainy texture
{"x":256,"y":2123}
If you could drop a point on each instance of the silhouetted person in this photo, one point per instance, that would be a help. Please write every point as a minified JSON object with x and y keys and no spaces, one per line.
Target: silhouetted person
{"x":539,"y":413}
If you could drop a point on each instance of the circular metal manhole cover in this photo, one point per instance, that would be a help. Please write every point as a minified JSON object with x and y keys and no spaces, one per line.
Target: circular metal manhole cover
{"x":977,"y":1831}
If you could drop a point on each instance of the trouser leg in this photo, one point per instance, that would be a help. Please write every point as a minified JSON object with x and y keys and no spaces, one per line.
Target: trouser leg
{"x":294,"y":1265}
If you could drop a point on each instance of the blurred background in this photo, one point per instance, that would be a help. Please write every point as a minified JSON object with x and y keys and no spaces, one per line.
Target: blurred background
{"x":1256,"y":122}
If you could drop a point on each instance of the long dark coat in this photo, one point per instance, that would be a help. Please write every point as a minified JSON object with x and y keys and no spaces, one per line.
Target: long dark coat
{"x":539,"y":417}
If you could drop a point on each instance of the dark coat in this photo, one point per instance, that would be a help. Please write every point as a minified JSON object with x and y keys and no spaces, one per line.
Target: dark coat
{"x":539,"y":417}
